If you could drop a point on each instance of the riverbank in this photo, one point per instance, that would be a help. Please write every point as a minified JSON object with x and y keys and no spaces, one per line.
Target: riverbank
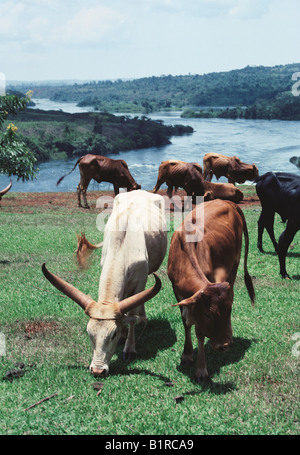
{"x":34,"y":202}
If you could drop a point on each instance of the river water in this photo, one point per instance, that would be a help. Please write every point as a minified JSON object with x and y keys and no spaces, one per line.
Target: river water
{"x":267,"y":143}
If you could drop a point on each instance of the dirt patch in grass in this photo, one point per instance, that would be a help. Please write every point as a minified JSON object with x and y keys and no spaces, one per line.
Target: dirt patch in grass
{"x":29,"y":202}
{"x":34,"y":327}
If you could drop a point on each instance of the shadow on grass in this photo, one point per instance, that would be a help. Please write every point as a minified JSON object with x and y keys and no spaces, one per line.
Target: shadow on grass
{"x":155,"y":336}
{"x":215,"y":361}
{"x":151,"y":338}
{"x":126,"y":372}
{"x":290,"y":254}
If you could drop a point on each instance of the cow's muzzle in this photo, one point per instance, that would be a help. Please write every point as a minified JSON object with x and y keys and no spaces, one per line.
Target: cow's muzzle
{"x":99,"y":372}
{"x":222,"y":347}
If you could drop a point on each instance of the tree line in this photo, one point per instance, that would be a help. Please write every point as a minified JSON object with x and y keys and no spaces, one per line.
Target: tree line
{"x":284,"y":106}
{"x":243,"y":87}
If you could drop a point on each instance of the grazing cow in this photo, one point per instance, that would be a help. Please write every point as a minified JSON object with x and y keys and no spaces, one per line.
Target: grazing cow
{"x":134,"y":246}
{"x":228,"y":166}
{"x":202,"y":270}
{"x":5,"y":190}
{"x":177,"y":174}
{"x":226,"y":191}
{"x":279,"y":192}
{"x":101,"y":168}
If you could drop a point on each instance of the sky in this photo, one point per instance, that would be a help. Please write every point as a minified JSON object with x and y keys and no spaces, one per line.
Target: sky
{"x":111,"y":39}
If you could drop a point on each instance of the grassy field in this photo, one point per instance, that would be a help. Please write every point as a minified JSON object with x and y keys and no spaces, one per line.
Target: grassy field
{"x":254,"y":386}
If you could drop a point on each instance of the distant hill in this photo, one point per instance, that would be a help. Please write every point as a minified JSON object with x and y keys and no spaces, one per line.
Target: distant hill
{"x":243,"y":87}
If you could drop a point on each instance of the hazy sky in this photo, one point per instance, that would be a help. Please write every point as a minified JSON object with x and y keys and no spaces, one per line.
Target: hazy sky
{"x":109,"y":39}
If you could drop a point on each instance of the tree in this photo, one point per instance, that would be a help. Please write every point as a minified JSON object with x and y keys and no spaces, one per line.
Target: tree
{"x":15,"y":157}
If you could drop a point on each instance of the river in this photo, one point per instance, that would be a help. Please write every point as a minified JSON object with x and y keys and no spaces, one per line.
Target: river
{"x":267,"y":143}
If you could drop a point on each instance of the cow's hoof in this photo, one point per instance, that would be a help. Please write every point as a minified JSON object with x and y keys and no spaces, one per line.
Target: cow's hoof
{"x":286,"y":277}
{"x":203,"y":379}
{"x":129,"y":356}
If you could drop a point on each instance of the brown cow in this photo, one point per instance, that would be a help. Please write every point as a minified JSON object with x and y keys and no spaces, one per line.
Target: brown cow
{"x":102,"y":168}
{"x":177,"y":174}
{"x":228,"y":166}
{"x":226,"y":191}
{"x":203,"y":269}
{"x":5,"y":190}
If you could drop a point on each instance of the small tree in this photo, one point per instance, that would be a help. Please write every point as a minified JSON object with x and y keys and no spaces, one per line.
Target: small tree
{"x":15,"y":157}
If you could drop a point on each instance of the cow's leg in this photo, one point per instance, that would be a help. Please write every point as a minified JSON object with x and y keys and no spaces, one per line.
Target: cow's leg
{"x":270,"y":229}
{"x":85,"y":203}
{"x":260,"y":227}
{"x":123,"y":335}
{"x":266,"y":220}
{"x":170,"y":191}
{"x":201,"y":369}
{"x":158,"y":185}
{"x":81,"y":189}
{"x":284,"y":242}
{"x":116,"y":189}
{"x":129,"y":351}
{"x":187,"y":355}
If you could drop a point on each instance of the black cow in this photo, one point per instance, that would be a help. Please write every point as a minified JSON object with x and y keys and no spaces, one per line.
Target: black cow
{"x":279,"y":192}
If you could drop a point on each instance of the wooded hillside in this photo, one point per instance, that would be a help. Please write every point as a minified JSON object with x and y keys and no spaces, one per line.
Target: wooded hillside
{"x":243,"y":87}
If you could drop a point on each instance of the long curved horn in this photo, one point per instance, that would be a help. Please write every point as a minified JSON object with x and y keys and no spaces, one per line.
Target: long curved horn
{"x":132,"y":302}
{"x":79,"y":297}
{"x":2,"y":192}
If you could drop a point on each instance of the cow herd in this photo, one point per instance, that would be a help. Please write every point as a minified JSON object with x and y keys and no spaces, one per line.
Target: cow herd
{"x":203,"y":258}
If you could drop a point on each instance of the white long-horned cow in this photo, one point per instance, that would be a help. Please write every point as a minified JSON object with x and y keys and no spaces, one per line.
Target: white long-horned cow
{"x":134,"y":246}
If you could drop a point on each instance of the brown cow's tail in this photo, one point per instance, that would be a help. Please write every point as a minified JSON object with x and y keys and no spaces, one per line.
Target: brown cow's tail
{"x":61,"y":178}
{"x":247,"y":277}
{"x":84,"y":250}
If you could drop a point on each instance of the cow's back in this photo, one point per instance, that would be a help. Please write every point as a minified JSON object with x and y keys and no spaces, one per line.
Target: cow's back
{"x":217,"y":240}
{"x":136,"y":231}
{"x":276,"y":190}
{"x":97,"y":167}
{"x":216,"y":163}
{"x":223,"y":230}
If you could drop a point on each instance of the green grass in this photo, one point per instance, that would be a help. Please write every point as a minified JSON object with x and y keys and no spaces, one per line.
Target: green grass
{"x":253,"y":388}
